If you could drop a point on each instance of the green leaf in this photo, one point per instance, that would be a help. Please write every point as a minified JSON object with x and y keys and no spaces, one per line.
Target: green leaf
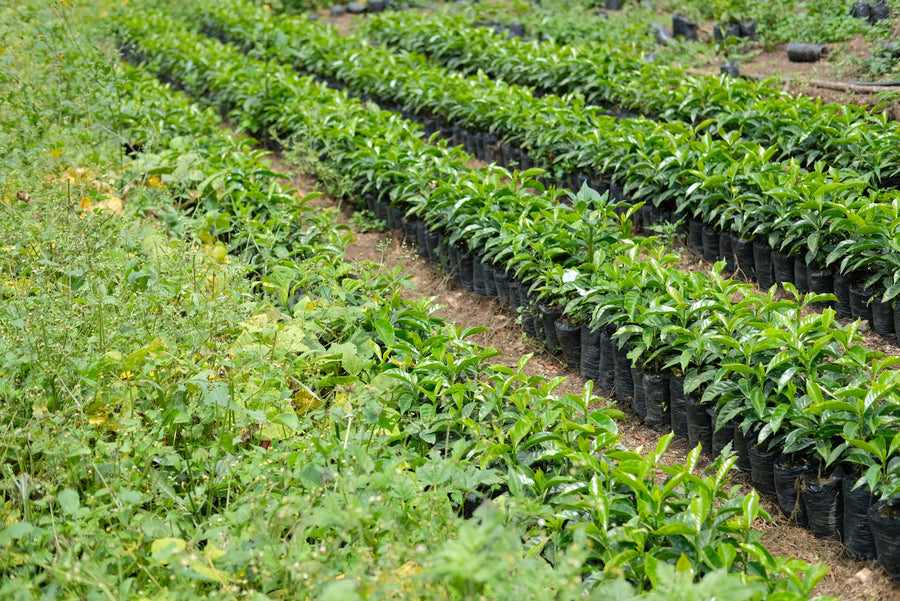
{"x":163,"y":549}
{"x":289,"y":420}
{"x":675,"y":528}
{"x":16,"y":531}
{"x":68,"y":501}
{"x":385,"y":331}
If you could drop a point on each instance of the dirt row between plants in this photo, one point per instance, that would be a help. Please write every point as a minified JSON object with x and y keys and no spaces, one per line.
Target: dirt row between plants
{"x":855,"y":581}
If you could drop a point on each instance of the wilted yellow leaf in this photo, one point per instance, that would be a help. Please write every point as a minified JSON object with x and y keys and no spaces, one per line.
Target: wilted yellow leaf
{"x":305,"y":401}
{"x":213,"y":552}
{"x":164,"y":548}
{"x":408,"y":569}
{"x":211,"y":574}
{"x":102,"y":186}
{"x":217,"y":252}
{"x":114,"y":204}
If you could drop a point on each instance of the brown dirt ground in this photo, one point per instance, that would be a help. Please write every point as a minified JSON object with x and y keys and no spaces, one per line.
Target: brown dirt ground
{"x":840,"y":64}
{"x":855,"y":581}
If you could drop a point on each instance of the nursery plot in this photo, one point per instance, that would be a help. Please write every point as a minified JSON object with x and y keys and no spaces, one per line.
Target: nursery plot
{"x":776,"y":221}
{"x":204,"y":467}
{"x":801,"y":128}
{"x":637,"y":342}
{"x":231,"y":408}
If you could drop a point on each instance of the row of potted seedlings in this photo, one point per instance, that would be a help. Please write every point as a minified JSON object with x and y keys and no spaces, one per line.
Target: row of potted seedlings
{"x":844,"y":136}
{"x":776,"y":223}
{"x":549,"y":447}
{"x":549,"y":267}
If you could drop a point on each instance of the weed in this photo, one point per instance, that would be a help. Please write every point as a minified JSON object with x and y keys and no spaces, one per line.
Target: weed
{"x":366,"y":221}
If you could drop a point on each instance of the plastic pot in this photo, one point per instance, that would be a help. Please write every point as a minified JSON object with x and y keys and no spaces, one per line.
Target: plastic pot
{"x":569,"y":337}
{"x":748,"y":29}
{"x":455,"y":255}
{"x":879,"y":10}
{"x":509,"y":155}
{"x":698,"y":425}
{"x":638,"y":399}
{"x":432,"y":239}
{"x":649,"y":217}
{"x":501,"y":283}
{"x":624,"y":384}
{"x":883,"y":317}
{"x":394,"y":218}
{"x":731,"y":68}
{"x":722,"y":436}
{"x":466,"y":267}
{"x":684,"y":27}
{"x":783,"y":268}
{"x":481,"y":140}
{"x":421,"y":232}
{"x":370,"y":201}
{"x":589,"y":367}
{"x":695,"y":235}
{"x":726,"y":252}
{"x":859,"y":303}
{"x":532,"y":322}
{"x":662,"y":34}
{"x":516,"y":30}
{"x":742,"y":447}
{"x":762,"y":469}
{"x":821,"y":281}
{"x":382,"y":208}
{"x":842,"y":292}
{"x":743,"y":257}
{"x":855,"y":532}
{"x":787,"y":471}
{"x":884,"y":521}
{"x":678,"y":405}
{"x":822,"y":497}
{"x":490,"y":284}
{"x":491,"y":148}
{"x":721,"y":32}
{"x":762,"y":263}
{"x":515,"y":292}
{"x":410,"y":232}
{"x":801,"y":275}
{"x":607,"y":364}
{"x":442,"y":252}
{"x":710,"y":243}
{"x":478,"y":277}
{"x":861,"y":10}
{"x":805,"y":53}
{"x":548,"y":316}
{"x":656,"y":395}
{"x":897,"y":325}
